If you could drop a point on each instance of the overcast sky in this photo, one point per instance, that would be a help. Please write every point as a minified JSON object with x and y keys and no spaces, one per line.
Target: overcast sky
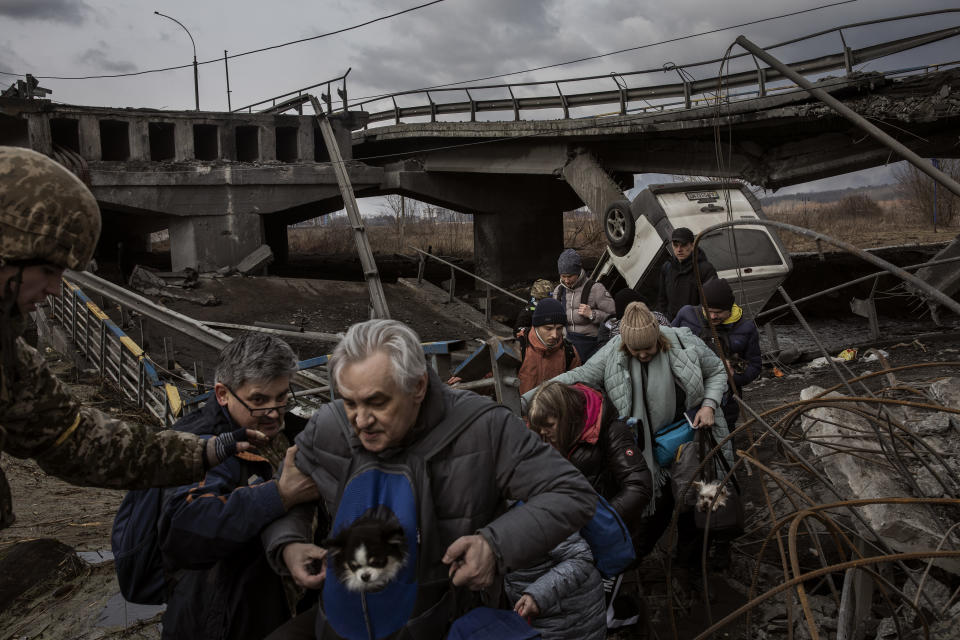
{"x":451,"y":41}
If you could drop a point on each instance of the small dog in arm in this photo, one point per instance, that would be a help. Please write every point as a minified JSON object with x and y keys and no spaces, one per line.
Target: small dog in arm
{"x":707,"y":492}
{"x":369,"y":553}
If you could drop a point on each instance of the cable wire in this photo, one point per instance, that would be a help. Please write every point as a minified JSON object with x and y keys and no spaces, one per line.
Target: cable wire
{"x":244,"y":53}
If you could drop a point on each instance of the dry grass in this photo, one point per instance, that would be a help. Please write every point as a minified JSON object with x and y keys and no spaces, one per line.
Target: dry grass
{"x":445,"y":238}
{"x":891,"y":222}
{"x":581,"y":231}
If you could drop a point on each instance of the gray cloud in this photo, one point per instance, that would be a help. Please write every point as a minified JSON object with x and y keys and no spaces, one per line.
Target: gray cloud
{"x":69,"y":11}
{"x":100,"y":60}
{"x":11,"y":62}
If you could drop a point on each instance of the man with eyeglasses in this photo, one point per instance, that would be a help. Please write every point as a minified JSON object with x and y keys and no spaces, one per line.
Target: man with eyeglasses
{"x":219,"y":582}
{"x":678,"y":281}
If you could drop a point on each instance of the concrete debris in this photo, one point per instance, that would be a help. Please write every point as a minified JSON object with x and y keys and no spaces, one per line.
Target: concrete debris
{"x":934,"y":592}
{"x":256,"y":261}
{"x":947,"y":392}
{"x":148,"y":282}
{"x":903,"y":527}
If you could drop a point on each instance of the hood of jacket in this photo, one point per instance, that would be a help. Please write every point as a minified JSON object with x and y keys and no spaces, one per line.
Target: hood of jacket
{"x":580,"y":280}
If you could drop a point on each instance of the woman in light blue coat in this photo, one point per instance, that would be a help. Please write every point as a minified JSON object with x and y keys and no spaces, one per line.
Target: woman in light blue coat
{"x":654,"y":374}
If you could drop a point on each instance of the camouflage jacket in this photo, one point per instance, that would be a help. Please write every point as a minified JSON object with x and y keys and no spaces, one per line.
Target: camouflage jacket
{"x":40,"y":419}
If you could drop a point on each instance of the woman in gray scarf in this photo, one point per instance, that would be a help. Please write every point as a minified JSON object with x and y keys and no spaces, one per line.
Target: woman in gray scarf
{"x":653,"y":374}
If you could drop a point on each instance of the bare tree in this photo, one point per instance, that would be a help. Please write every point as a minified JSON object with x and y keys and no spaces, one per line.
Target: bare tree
{"x":919,"y":189}
{"x":400,"y":208}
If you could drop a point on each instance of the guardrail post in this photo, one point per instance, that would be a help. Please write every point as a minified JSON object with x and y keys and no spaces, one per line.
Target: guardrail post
{"x":141,"y":381}
{"x":103,"y":350}
{"x":563,"y":100}
{"x":198,"y":375}
{"x":453,"y":282}
{"x":488,"y":305}
{"x":516,"y":105}
{"x":168,"y":355}
{"x":421,"y":268}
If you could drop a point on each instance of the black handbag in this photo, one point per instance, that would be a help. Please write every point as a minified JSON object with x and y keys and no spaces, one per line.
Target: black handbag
{"x":727,"y":515}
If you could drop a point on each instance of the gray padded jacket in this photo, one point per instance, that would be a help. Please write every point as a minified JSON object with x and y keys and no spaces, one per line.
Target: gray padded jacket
{"x":568,"y":591}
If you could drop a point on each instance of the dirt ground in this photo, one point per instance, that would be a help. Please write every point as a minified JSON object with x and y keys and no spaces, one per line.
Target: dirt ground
{"x":82,"y":517}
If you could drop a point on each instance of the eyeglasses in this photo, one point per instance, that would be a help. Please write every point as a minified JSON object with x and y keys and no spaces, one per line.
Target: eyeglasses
{"x":262,"y":411}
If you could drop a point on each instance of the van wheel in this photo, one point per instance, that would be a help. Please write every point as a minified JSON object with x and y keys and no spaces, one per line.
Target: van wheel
{"x":619,"y":226}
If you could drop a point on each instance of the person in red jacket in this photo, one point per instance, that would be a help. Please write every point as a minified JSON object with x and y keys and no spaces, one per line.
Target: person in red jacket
{"x":545,"y":351}
{"x":582,"y":424}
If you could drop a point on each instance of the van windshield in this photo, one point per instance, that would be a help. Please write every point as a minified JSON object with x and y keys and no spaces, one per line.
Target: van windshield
{"x":740,"y":248}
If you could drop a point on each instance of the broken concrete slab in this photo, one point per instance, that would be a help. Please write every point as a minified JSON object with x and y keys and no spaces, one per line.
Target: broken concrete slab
{"x":903,"y":527}
{"x":148,"y":282}
{"x":256,"y":261}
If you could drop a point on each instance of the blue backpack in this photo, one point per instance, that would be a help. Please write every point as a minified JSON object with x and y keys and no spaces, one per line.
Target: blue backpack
{"x":400,"y":487}
{"x":609,"y":540}
{"x":484,"y":623}
{"x":136,"y":548}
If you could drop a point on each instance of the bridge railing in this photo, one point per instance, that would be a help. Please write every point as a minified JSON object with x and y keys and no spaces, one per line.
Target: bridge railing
{"x":114,"y":354}
{"x":298,"y":97}
{"x":684,"y":94}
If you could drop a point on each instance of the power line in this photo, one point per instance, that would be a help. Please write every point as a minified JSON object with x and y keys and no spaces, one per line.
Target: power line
{"x":244,"y":53}
{"x":608,"y":53}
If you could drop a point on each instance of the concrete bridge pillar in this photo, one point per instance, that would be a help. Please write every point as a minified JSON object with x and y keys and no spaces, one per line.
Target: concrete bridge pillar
{"x":516,"y":246}
{"x":275,"y":235}
{"x":206,"y":243}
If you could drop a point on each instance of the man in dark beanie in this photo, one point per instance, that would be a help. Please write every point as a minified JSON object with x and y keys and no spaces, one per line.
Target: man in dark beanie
{"x":587,"y":303}
{"x":545,"y":352}
{"x":678,"y":283}
{"x":739,"y":339}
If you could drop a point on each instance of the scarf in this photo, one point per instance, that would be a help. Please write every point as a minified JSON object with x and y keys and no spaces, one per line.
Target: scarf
{"x":593,"y":414}
{"x":653,"y":380}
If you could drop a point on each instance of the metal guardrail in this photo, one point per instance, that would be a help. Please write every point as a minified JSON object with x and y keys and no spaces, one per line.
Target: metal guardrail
{"x":424,"y":256}
{"x":115,"y":355}
{"x":297,"y":97}
{"x":623,"y":95}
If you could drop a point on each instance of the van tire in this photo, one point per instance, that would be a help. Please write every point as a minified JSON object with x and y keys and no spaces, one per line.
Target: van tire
{"x":619,"y":227}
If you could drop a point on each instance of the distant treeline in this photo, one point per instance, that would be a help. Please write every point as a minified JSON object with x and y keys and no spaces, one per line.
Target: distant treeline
{"x":880,"y":192}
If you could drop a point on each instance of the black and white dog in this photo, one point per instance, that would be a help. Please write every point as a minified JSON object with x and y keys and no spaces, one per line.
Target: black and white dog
{"x":369,"y":553}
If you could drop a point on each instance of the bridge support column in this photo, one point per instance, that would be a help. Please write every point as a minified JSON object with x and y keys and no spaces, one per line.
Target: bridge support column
{"x":206,"y":243}
{"x":517,"y":246}
{"x":275,"y":235}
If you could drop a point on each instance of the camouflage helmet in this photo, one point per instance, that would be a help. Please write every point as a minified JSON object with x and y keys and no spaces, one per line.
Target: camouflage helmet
{"x":541,"y":289}
{"x":46,"y":212}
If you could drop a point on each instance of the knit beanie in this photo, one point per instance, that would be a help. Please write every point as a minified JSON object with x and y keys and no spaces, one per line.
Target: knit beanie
{"x":569,"y":262}
{"x":549,"y":311}
{"x":639,"y":329}
{"x":682,"y":234}
{"x":717,"y":294}
{"x":623,"y":298}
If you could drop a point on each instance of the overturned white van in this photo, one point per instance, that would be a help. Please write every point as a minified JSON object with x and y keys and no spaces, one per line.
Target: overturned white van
{"x":751,"y":258}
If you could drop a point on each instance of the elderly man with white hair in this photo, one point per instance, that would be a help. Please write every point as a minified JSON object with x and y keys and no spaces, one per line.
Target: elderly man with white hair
{"x":389,"y":403}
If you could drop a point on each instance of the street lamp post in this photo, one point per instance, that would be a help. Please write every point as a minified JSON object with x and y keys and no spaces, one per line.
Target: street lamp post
{"x":196,"y":81}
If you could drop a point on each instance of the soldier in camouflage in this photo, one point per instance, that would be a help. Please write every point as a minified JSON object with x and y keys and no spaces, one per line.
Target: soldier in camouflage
{"x":49,"y":221}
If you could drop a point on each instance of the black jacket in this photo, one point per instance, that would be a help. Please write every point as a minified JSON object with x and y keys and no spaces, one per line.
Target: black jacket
{"x":678,"y":283}
{"x":221,"y":587}
{"x":614,"y":465}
